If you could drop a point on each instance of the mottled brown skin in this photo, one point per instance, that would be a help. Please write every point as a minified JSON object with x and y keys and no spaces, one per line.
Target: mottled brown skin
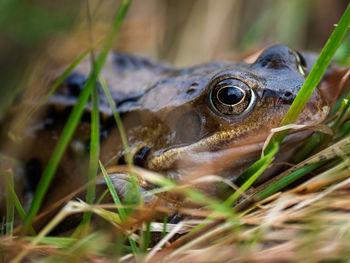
{"x":171,"y":121}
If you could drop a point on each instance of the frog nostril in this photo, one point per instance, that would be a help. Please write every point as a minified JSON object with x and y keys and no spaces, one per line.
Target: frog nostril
{"x":75,"y":83}
{"x":288,"y":94}
{"x":141,"y":155}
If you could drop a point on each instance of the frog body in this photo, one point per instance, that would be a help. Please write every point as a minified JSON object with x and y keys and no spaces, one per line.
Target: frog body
{"x":211,"y":118}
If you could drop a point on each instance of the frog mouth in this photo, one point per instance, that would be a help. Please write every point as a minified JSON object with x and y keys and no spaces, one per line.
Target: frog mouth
{"x":186,"y":157}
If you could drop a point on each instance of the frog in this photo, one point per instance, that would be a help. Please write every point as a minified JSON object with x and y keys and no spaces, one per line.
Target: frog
{"x":209,"y":119}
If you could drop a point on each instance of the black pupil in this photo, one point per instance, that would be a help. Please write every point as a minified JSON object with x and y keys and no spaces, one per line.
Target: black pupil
{"x":230,"y":95}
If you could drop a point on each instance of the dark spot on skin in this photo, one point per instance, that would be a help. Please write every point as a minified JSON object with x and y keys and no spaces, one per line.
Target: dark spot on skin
{"x":124,"y":62}
{"x":33,"y":173}
{"x":141,"y":155}
{"x":120,"y":61}
{"x":146,"y":62}
{"x":190,"y":91}
{"x":75,"y":83}
{"x":121,"y":160}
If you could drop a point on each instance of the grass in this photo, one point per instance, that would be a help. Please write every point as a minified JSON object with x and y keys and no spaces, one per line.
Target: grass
{"x":264,"y":221}
{"x":73,"y":119}
{"x":134,"y":191}
{"x":10,"y":207}
{"x":116,"y":200}
{"x":94,"y":151}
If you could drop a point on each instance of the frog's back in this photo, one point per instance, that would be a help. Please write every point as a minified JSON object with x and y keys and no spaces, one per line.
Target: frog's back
{"x":126,"y":76}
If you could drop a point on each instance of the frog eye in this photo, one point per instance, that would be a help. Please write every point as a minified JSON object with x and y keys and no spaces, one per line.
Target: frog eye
{"x":231,"y":96}
{"x":301,"y":63}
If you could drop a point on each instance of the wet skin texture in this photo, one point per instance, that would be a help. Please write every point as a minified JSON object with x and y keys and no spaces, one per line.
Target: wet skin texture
{"x":208,"y":119}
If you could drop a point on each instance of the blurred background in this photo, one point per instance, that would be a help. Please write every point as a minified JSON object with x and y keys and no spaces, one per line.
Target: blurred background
{"x":41,"y":35}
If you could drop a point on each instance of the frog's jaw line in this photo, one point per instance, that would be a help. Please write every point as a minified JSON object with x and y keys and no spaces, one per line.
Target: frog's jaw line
{"x":169,"y":159}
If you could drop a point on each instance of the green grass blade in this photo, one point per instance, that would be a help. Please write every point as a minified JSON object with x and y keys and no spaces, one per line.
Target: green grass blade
{"x":60,"y":242}
{"x":124,"y":139}
{"x":117,"y":201}
{"x":165,"y":221}
{"x":10,"y":207}
{"x":19,"y":208}
{"x":277,"y":186}
{"x":255,"y":167}
{"x":118,"y":121}
{"x":113,"y":192}
{"x":74,"y":119}
{"x":266,"y":162}
{"x":147,"y":237}
{"x":16,"y":202}
{"x":59,"y":150}
{"x":94,"y":152}
{"x":94,"y":156}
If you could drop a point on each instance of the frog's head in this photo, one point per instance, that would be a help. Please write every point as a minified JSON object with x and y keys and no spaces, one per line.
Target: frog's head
{"x":218,"y":115}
